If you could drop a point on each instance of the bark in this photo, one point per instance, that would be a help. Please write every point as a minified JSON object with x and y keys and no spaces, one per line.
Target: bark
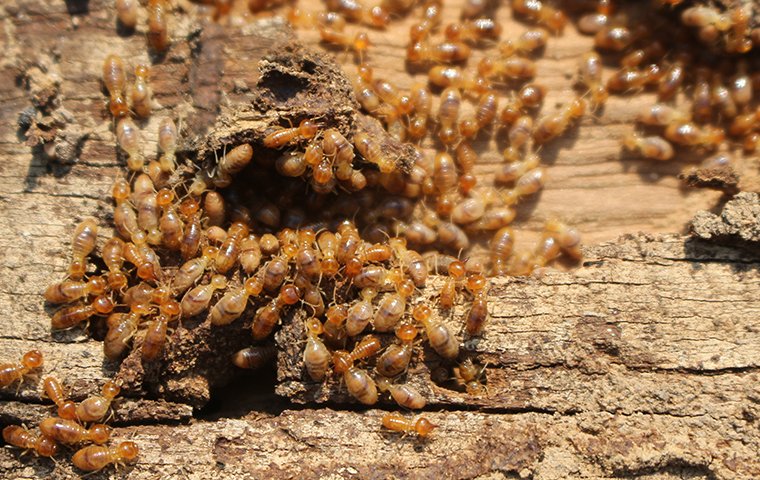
{"x":642,"y":363}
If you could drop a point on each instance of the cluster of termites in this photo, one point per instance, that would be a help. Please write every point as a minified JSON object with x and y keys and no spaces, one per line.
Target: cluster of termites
{"x":706,"y":101}
{"x":75,"y":426}
{"x":242,"y":245}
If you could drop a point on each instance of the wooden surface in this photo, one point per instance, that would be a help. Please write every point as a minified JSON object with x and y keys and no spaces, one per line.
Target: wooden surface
{"x":643,"y":363}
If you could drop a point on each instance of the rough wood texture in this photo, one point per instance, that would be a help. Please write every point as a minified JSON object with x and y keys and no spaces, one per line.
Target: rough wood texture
{"x":641,"y":364}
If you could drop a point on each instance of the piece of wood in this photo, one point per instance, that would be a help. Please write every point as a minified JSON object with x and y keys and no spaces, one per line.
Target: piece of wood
{"x":639,"y":314}
{"x":641,"y":364}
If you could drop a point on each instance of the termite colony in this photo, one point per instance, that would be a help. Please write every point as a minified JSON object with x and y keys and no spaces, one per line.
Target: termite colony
{"x":76,"y":424}
{"x":706,"y":96}
{"x":354,"y":250}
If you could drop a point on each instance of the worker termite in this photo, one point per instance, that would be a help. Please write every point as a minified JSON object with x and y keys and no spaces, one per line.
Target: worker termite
{"x":334,"y":329}
{"x":468,"y":210}
{"x":216,"y":235}
{"x":392,"y":96}
{"x":447,"y":76}
{"x":121,"y":328}
{"x":360,"y":385}
{"x":70,"y":432}
{"x":141,"y":93}
{"x":167,"y":142}
{"x":440,"y":337}
{"x":590,"y":76}
{"x":193,"y":231}
{"x":661,"y":115}
{"x":520,"y":132}
{"x":404,"y":395}
{"x":592,"y":23}
{"x":445,"y":52}
{"x":54,"y":391}
{"x":478,"y":312}
{"x":268,"y":316}
{"x":613,"y":38}
{"x":196,"y":300}
{"x":126,"y":12}
{"x":231,"y":163}
{"x":568,"y":238}
{"x":740,"y":86}
{"x":468,"y":375}
{"x":494,"y":219}
{"x":170,"y":225}
{"x":392,"y":306}
{"x":229,"y":251}
{"x":553,"y":125}
{"x":448,"y":293}
{"x":316,"y":357}
{"x":158,"y":31}
{"x":702,"y":16}
{"x":412,"y":262}
{"x":20,"y":437}
{"x":501,"y":245}
{"x":537,"y":11}
{"x":529,"y":42}
{"x":367,"y":347}
{"x":473,"y":31}
{"x":148,"y":212}
{"x":291,"y":164}
{"x":124,"y":215}
{"x":452,"y":236}
{"x":82,"y":244}
{"x":233,"y":303}
{"x":328,"y":248}
{"x":395,"y":359}
{"x":444,"y":173}
{"x":422,"y":102}
{"x":373,"y":152}
{"x":10,"y":372}
{"x":396,"y":422}
{"x":307,"y":259}
{"x":95,"y":407}
{"x":307,"y":129}
{"x":360,"y":313}
{"x":359,"y":43}
{"x":431,"y":20}
{"x":721,"y":97}
{"x":653,"y":147}
{"x":252,"y":358}
{"x":115,"y":80}
{"x":113,"y":256}
{"x":190,"y":271}
{"x":96,"y":457}
{"x":274,"y":273}
{"x":139,"y":254}
{"x":514,"y":68}
{"x":354,"y":11}
{"x":128,"y":138}
{"x":155,"y":334}
{"x":140,"y":293}
{"x":250,"y":254}
{"x":70,"y":290}
{"x":71,"y":316}
{"x":674,"y":77}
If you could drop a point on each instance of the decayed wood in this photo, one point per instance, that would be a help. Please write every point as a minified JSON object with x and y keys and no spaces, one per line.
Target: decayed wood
{"x":642,"y":317}
{"x":643,"y":363}
{"x":332,"y":444}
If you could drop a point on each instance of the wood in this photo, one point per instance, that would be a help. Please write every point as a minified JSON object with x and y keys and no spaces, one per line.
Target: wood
{"x":641,"y":364}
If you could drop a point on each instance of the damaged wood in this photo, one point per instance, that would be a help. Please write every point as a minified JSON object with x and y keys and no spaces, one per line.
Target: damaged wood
{"x":637,"y":315}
